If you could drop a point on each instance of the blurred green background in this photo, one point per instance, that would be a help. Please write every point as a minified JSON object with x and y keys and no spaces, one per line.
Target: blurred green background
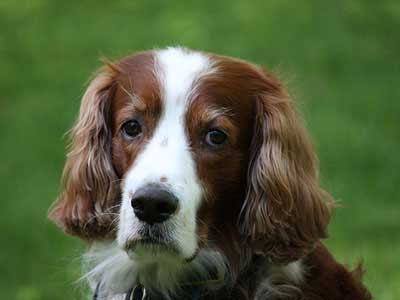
{"x":340,"y":60}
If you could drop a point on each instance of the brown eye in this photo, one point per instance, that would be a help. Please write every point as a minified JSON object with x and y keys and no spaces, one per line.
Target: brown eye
{"x":216,"y":138}
{"x":131,"y":129}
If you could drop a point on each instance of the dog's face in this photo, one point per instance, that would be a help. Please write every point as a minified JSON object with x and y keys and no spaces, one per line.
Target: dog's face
{"x":176,"y":151}
{"x":179,"y":143}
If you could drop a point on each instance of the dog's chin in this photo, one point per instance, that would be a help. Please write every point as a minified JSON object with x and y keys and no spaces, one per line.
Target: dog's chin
{"x":156,"y":242}
{"x":146,"y":245}
{"x":145,"y":248}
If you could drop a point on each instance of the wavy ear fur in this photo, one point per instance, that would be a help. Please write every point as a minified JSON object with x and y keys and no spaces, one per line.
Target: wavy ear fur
{"x":285,"y":210}
{"x":90,"y":183}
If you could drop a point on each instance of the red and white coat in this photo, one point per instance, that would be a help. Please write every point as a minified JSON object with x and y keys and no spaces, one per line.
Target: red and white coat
{"x":223,"y":137}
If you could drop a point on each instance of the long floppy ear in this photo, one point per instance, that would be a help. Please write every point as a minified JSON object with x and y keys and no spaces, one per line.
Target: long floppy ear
{"x":285,"y":211}
{"x":90,"y":185}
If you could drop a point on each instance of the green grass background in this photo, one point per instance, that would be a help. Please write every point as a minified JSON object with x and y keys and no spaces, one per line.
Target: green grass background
{"x":340,"y":59}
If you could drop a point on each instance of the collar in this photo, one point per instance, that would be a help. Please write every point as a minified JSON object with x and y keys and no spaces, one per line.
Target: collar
{"x":139,"y":292}
{"x":136,"y":293}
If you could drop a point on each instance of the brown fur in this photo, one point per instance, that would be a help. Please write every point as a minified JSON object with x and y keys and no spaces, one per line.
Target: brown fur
{"x":328,"y":280}
{"x":285,"y":210}
{"x":89,"y":174}
{"x":96,"y":161}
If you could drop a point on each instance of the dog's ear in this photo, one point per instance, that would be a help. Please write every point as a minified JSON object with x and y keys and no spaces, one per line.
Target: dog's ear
{"x":90,"y":184}
{"x":285,"y":211}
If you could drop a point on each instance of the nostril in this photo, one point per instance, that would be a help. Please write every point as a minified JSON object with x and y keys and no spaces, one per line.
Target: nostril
{"x":137,"y":204}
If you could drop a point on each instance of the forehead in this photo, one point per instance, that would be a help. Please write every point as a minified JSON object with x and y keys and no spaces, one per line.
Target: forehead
{"x":135,"y":80}
{"x":182,"y":79}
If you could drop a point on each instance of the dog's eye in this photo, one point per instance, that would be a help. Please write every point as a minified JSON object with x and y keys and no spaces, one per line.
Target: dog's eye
{"x":131,"y":129}
{"x":215,"y":138}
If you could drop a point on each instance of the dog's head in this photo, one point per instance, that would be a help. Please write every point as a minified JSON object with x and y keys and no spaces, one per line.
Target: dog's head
{"x":177,"y":151}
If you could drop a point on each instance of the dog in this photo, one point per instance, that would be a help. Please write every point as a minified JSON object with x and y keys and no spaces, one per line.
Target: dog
{"x":191,"y":176}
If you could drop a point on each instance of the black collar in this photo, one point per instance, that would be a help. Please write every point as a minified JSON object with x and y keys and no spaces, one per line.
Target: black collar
{"x":139,"y":292}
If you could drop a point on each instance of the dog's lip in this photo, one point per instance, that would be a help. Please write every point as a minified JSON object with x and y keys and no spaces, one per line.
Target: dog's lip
{"x":146,"y":241}
{"x":132,"y":245}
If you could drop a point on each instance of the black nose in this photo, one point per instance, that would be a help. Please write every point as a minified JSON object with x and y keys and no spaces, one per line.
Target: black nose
{"x":153,"y":204}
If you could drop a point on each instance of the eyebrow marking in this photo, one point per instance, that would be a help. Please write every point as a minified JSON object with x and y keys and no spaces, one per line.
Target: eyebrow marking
{"x":139,"y":103}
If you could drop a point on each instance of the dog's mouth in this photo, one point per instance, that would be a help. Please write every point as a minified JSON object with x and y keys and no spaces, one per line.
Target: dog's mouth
{"x":150,"y":244}
{"x":154,"y":241}
{"x":152,"y":238}
{"x":150,"y":248}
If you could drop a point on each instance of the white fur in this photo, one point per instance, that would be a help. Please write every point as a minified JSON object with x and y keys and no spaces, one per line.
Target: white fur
{"x":167,"y":153}
{"x":118,"y":272}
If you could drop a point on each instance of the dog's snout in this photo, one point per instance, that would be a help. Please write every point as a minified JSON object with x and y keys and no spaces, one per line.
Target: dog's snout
{"x":154,"y":204}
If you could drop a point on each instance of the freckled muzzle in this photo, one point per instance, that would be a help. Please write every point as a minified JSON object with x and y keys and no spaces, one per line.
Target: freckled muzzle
{"x":154,"y":204}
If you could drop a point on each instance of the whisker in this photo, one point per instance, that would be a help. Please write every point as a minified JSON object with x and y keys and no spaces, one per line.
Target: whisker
{"x":116,"y":180}
{"x":115,"y":220}
{"x":114,"y":206}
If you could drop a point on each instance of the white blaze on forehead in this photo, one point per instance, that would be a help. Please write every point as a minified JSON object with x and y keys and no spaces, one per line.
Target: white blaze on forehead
{"x":177,"y":70}
{"x":167,"y":154}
